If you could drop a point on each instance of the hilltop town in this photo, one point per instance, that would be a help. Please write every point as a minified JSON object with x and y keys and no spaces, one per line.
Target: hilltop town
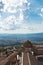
{"x":26,"y":54}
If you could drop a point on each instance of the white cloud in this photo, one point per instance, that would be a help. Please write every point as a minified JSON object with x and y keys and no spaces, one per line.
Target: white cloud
{"x":28,"y":3}
{"x":16,"y":24}
{"x":22,"y":28}
{"x":11,"y":5}
{"x":31,"y":28}
{"x":11,"y":10}
{"x":0,"y":17}
{"x":40,"y":14}
{"x":41,"y":9}
{"x":11,"y":22}
{"x":21,"y":17}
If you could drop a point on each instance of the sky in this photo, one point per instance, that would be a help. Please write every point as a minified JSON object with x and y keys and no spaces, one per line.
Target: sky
{"x":21,"y":16}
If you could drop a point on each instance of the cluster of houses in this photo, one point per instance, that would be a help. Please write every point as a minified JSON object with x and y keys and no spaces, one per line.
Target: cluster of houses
{"x":16,"y":56}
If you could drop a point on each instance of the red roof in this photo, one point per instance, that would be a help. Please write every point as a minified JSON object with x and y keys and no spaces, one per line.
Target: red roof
{"x":27,"y":44}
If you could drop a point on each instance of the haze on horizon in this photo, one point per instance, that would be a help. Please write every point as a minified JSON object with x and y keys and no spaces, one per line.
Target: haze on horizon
{"x":21,"y":16}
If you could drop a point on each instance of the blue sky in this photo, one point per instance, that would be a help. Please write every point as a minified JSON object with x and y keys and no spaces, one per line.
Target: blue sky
{"x":21,"y":16}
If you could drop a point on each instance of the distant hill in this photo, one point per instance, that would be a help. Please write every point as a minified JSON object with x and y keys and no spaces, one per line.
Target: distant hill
{"x":11,"y":39}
